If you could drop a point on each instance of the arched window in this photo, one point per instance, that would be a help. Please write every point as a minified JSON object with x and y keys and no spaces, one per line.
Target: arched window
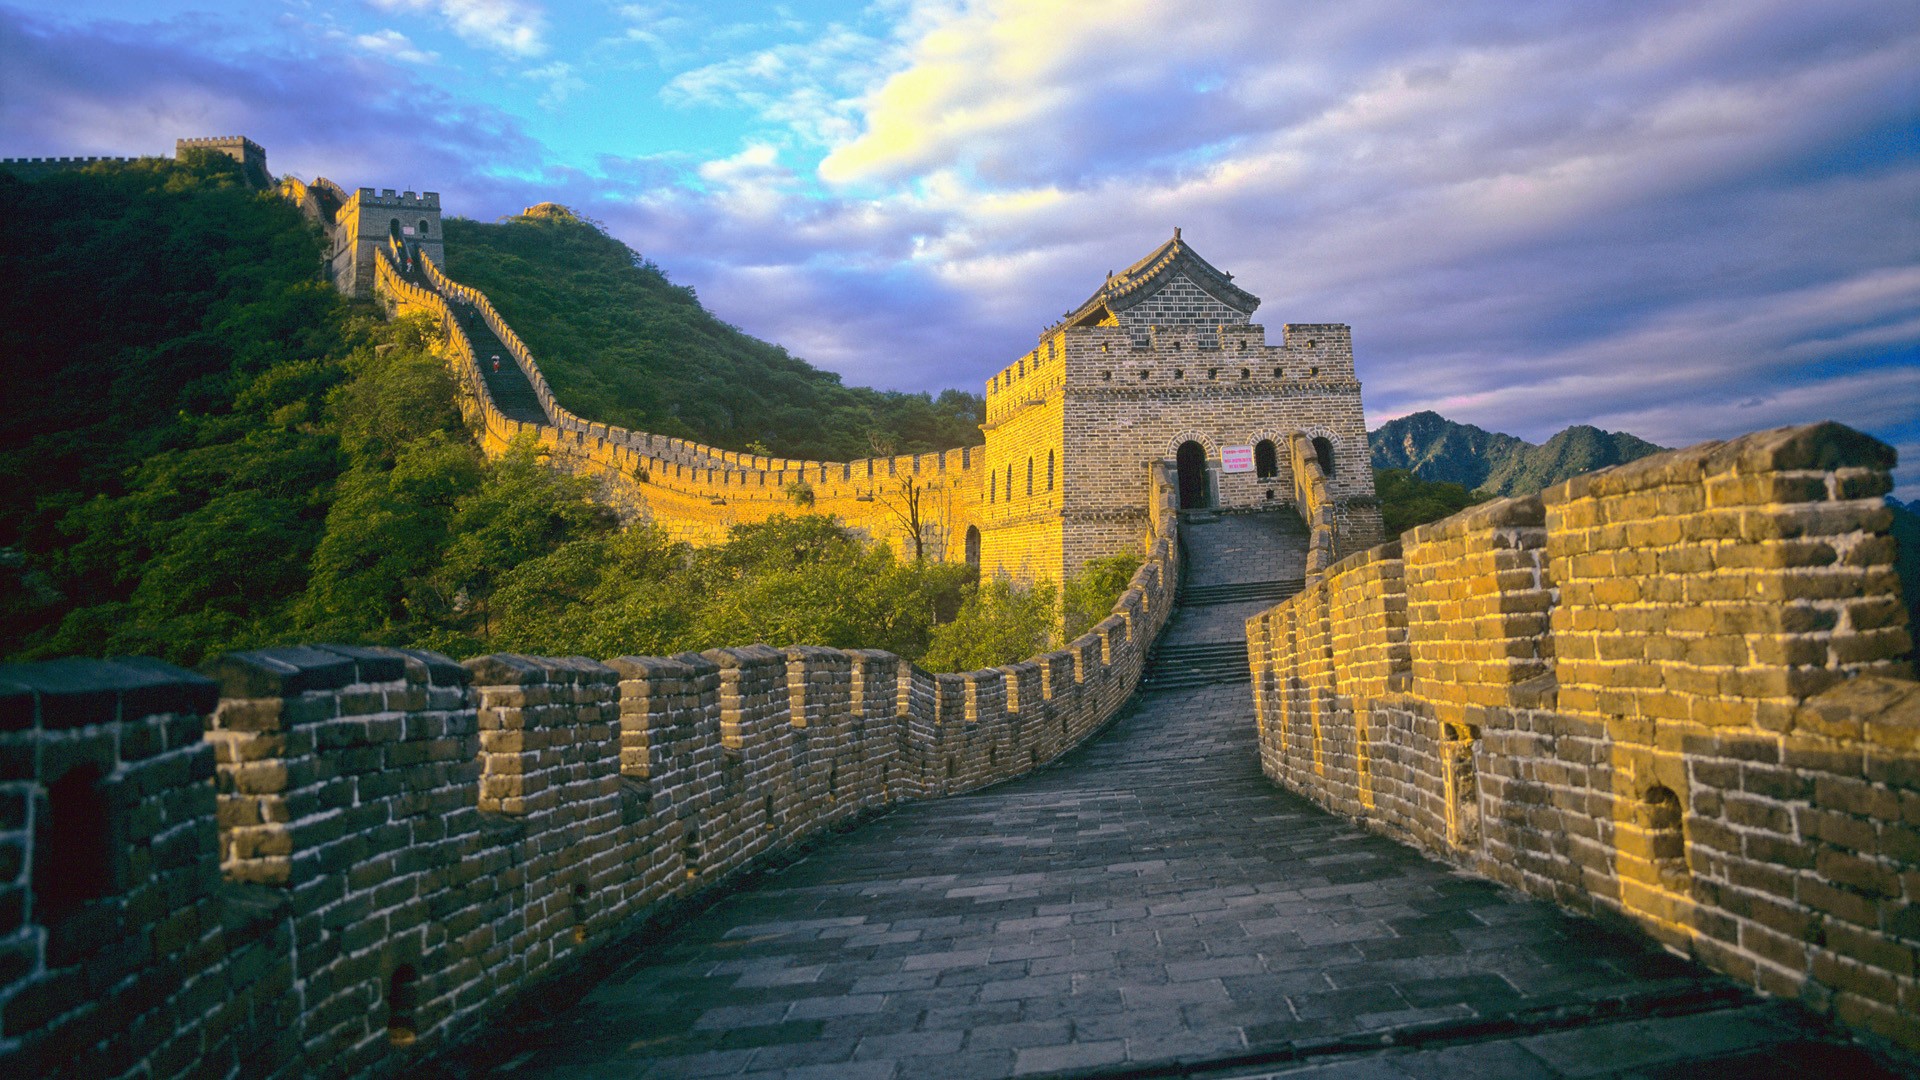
{"x":403,"y":1001}
{"x":73,"y":847}
{"x":973,"y":546}
{"x":1009,"y":481}
{"x":393,"y":228}
{"x":1049,"y":470}
{"x":1029,"y":476}
{"x":1266,"y":460}
{"x":1323,"y":449}
{"x":993,"y":481}
{"x":423,"y":226}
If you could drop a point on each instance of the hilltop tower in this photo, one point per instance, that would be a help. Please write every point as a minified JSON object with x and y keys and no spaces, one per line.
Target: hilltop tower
{"x":1163,"y":362}
{"x":251,"y":155}
{"x":367,"y":220}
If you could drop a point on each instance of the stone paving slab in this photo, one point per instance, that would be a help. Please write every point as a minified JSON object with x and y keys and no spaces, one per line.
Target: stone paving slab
{"x":1227,"y":549}
{"x":1215,"y":622}
{"x":1151,"y":899}
{"x":1768,"y":1041}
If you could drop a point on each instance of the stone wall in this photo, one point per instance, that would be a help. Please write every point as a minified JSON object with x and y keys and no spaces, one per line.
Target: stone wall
{"x":324,"y":860}
{"x":1672,"y":690}
{"x":1102,"y":400}
{"x":1070,"y":429}
{"x":697,"y":492}
{"x":251,"y":156}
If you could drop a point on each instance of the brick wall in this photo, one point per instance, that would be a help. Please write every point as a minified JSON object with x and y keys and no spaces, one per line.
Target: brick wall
{"x":327,"y":860}
{"x":1088,"y":409}
{"x":1672,"y":690}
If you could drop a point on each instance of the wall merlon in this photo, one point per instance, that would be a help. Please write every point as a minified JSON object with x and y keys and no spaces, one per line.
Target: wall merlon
{"x":1626,"y":694}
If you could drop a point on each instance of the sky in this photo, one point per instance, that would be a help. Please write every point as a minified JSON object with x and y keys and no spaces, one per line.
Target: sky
{"x":1686,"y":220}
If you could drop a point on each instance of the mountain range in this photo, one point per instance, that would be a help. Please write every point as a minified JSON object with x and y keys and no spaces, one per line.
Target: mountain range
{"x":1437,"y":449}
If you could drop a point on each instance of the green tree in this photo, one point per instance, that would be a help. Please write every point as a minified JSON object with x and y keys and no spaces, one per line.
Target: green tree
{"x":1407,"y":501}
{"x":1000,"y":623}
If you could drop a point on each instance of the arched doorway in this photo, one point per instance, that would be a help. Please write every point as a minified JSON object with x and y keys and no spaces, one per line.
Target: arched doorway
{"x":973,"y":546}
{"x":1191,"y":459}
{"x":1323,"y":449}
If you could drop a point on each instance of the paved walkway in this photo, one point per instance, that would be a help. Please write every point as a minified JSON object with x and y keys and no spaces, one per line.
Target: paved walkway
{"x":1152,"y":900}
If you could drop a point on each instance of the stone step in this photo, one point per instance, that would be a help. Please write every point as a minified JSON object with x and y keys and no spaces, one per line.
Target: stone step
{"x":1205,"y":663}
{"x":1238,"y":592}
{"x":512,"y":393}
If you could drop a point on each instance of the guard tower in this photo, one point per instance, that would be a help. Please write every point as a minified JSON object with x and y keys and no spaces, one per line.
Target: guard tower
{"x":1163,"y":363}
{"x":368,"y":220}
{"x":251,"y":155}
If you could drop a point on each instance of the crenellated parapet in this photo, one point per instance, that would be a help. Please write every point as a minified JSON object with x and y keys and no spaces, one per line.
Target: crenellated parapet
{"x":327,"y":860}
{"x":1069,"y":427}
{"x":1676,"y":690}
{"x":695,"y":492}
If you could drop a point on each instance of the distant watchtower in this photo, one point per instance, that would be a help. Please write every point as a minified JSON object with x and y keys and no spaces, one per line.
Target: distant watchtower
{"x":251,"y":155}
{"x":368,"y":220}
{"x":1163,"y":363}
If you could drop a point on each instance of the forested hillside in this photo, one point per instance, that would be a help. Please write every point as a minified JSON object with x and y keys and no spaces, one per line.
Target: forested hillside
{"x":204,"y":448}
{"x":619,"y":343}
{"x":1490,"y":463}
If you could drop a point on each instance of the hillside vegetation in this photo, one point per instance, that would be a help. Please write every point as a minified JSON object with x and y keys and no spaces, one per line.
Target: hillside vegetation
{"x":1488,"y":463}
{"x":207,"y":449}
{"x":620,"y":343}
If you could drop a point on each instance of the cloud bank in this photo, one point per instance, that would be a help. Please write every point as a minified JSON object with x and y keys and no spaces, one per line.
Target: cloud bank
{"x":1682,"y":219}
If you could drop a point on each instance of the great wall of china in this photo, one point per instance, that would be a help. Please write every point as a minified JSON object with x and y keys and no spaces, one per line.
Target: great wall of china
{"x":1676,"y":690}
{"x":1672,"y":690}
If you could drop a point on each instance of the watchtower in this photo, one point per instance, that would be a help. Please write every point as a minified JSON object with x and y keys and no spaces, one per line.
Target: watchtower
{"x":369,"y":219}
{"x":251,"y":155}
{"x":1163,"y":363}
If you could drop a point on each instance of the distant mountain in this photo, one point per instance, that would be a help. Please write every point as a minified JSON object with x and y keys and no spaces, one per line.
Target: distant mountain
{"x":1488,"y":462}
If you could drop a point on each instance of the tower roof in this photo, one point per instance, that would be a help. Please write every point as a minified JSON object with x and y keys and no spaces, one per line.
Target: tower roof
{"x":1144,"y":278}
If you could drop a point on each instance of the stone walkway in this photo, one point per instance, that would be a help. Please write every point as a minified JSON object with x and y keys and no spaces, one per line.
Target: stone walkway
{"x":1151,"y":905}
{"x":1151,"y":899}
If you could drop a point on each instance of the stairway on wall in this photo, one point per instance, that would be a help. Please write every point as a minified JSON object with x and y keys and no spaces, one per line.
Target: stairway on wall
{"x":1236,"y":566}
{"x":509,"y":387}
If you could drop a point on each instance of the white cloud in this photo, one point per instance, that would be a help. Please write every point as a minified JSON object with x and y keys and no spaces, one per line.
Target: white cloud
{"x":1551,"y":214}
{"x":802,"y":87}
{"x":559,"y":79}
{"x":393,"y":45}
{"x":1677,"y":218}
{"x":506,"y":26}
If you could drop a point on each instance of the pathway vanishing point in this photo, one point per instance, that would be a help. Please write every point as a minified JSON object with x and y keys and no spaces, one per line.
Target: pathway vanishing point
{"x":1152,"y":905}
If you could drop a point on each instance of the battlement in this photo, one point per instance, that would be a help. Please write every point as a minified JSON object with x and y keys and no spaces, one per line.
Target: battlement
{"x":328,"y":860}
{"x":63,"y":162}
{"x":251,"y":155}
{"x":403,"y":200}
{"x":1673,"y":690}
{"x":1069,"y":425}
{"x":223,"y":143}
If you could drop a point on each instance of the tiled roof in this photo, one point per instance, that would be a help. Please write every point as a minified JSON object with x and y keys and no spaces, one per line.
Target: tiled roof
{"x":1144,"y":278}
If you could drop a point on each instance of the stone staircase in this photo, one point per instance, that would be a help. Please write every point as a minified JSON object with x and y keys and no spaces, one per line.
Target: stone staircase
{"x":512,"y":394}
{"x":509,"y":387}
{"x":1204,"y":663}
{"x":1236,"y":565}
{"x":1238,"y":591}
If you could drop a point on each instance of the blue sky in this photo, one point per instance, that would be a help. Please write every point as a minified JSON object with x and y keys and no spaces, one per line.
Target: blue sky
{"x":1681,"y":219}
